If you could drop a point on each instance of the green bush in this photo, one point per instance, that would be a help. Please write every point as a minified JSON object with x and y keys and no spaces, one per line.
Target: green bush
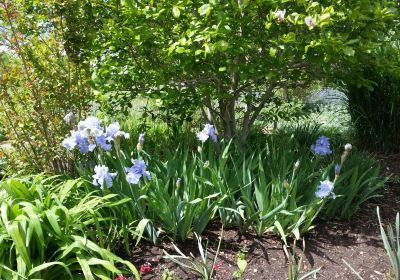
{"x":374,"y":109}
{"x":49,"y":229}
{"x":40,"y":82}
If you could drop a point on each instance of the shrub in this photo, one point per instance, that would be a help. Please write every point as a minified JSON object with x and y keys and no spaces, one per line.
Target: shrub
{"x":40,"y":83}
{"x":373,"y":108}
{"x":49,"y":229}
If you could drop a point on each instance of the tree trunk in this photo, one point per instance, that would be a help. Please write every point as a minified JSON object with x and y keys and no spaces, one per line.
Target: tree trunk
{"x":227,"y":110}
{"x":252,"y":112}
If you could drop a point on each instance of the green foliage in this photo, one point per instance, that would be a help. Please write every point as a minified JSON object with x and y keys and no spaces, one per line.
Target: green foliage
{"x":391,"y":239}
{"x":2,"y":133}
{"x":275,"y":194}
{"x":159,"y":135}
{"x":283,"y":111}
{"x":374,"y":114}
{"x":219,"y":55}
{"x":359,"y":180}
{"x":202,"y":268}
{"x":241,"y":263}
{"x":294,"y":268}
{"x":50,"y":229}
{"x":267,"y":187}
{"x":332,"y":120}
{"x":39,"y":84}
{"x":181,"y":199}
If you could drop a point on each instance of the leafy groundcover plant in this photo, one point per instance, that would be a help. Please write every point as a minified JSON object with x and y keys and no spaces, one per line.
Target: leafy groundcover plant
{"x":51,"y":229}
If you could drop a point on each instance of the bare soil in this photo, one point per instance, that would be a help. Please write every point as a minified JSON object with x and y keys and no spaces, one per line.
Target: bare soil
{"x":357,"y":241}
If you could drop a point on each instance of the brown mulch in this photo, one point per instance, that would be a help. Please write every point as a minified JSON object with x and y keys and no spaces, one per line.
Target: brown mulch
{"x":358,"y":242}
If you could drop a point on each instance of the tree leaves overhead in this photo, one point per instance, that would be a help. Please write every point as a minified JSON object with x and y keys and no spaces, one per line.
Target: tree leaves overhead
{"x":190,"y":52}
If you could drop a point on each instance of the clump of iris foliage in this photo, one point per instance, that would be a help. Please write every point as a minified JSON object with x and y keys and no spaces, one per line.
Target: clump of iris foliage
{"x":280,"y":185}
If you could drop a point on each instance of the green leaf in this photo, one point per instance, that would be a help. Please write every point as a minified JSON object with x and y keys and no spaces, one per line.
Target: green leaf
{"x":278,"y":226}
{"x":351,"y":42}
{"x":242,"y":264}
{"x":106,"y":264}
{"x":176,"y":12}
{"x":289,"y":37}
{"x":82,"y":260}
{"x":222,"y":45}
{"x":349,"y":51}
{"x":49,"y":264}
{"x":272,"y":52}
{"x":52,"y":217}
{"x":140,"y":229}
{"x":205,"y":10}
{"x":18,"y":239}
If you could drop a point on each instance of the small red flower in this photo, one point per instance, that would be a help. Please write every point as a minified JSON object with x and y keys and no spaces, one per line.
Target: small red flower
{"x":121,"y":277}
{"x":218,"y":266}
{"x":145,"y":268}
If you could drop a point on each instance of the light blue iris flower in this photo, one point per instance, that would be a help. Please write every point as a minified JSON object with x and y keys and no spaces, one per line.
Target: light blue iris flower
{"x":114,"y":130}
{"x":135,"y":172}
{"x":102,"y":176}
{"x":322,"y":146}
{"x":325,"y":189}
{"x":141,"y":139}
{"x":207,"y":132}
{"x":90,"y":134}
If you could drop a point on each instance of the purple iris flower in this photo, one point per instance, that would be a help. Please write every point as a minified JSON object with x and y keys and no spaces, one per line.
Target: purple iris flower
{"x":322,"y":146}
{"x":135,"y":172}
{"x":90,"y":134}
{"x":102,"y":142}
{"x":325,"y":189}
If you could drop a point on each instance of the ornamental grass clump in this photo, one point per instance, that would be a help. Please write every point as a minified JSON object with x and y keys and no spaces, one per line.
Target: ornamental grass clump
{"x":51,"y":228}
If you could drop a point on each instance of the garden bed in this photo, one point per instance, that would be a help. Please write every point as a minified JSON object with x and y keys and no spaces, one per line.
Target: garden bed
{"x":358,"y":242}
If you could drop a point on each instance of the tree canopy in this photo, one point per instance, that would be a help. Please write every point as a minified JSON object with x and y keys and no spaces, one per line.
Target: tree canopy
{"x":228,"y":58}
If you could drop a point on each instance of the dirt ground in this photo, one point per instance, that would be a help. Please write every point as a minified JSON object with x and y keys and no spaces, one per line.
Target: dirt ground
{"x":357,"y":242}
